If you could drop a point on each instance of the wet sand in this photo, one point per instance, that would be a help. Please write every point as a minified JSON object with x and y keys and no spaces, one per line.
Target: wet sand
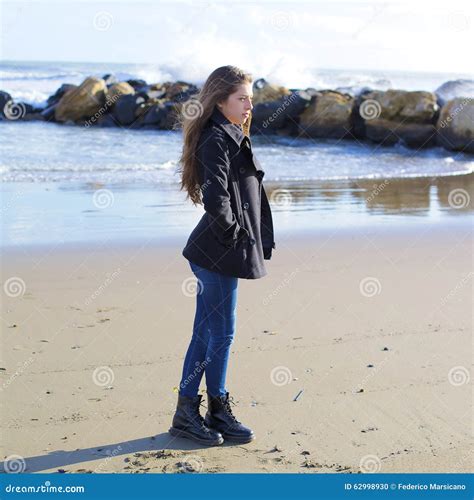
{"x":373,"y":325}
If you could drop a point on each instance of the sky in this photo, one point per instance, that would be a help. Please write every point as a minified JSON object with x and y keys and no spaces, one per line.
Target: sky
{"x":267,"y":36}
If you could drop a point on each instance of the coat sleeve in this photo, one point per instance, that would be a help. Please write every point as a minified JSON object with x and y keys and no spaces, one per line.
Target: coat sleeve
{"x":213,"y":155}
{"x":266,"y":227}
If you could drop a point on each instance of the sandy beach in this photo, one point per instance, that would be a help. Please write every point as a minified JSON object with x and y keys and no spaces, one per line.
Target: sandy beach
{"x":374,"y":326}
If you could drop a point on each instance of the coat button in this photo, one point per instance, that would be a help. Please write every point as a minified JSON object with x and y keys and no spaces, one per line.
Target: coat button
{"x":242,"y":170}
{"x":246,"y":205}
{"x":252,"y":241}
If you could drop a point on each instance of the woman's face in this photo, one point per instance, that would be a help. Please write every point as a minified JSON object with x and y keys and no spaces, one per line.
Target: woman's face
{"x":236,"y":108}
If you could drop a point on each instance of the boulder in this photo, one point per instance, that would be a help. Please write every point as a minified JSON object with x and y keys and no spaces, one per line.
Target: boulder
{"x":125,"y":109}
{"x":110,"y":79}
{"x":137,"y":84}
{"x":268,"y":117}
{"x":328,"y":115}
{"x":106,"y":121}
{"x":392,"y":116}
{"x":162,"y":115}
{"x":118,"y":89}
{"x":265,"y":92}
{"x":56,"y":97}
{"x":178,"y":91}
{"x":455,"y":126}
{"x":4,"y":98}
{"x":454,"y":88}
{"x":82,"y":102}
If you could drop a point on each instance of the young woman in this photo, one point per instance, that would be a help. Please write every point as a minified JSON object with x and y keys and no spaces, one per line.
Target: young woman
{"x":231,"y":241}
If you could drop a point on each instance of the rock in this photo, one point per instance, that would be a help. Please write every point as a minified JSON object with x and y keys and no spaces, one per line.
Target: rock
{"x":118,"y":89}
{"x":125,"y":109}
{"x":283,"y":113}
{"x":49,"y":113}
{"x":394,"y":116}
{"x":328,"y":115}
{"x":454,"y":88}
{"x":455,"y":127}
{"x":110,"y":79}
{"x":56,"y":97}
{"x":82,"y":102}
{"x":179,"y":91}
{"x":4,"y":98}
{"x":162,"y":115}
{"x":20,"y":111}
{"x":106,"y":120}
{"x":155,"y":92}
{"x":137,"y":84}
{"x":265,"y":92}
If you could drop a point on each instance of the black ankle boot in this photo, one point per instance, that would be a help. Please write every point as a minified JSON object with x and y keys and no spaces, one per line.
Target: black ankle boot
{"x":220,"y":418}
{"x":188,"y":422}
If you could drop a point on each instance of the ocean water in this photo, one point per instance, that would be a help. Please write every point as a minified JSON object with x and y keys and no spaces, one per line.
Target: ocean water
{"x":33,"y":82}
{"x":48,"y":152}
{"x":52,"y":175}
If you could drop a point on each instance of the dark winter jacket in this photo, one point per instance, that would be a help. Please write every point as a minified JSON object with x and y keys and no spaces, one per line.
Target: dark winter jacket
{"x":235,"y":234}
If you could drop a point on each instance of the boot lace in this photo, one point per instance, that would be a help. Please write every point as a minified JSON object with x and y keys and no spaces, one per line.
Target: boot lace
{"x":227,"y":406}
{"x":200,"y":417}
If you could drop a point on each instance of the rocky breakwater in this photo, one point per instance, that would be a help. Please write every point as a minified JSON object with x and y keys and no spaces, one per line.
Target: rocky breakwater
{"x":416,"y":119}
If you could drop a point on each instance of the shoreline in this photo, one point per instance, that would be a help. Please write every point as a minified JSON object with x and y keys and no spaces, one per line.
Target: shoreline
{"x":69,"y":214}
{"x":301,"y":236}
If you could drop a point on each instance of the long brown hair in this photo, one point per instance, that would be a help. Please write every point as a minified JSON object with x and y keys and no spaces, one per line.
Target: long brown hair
{"x":194,"y":115}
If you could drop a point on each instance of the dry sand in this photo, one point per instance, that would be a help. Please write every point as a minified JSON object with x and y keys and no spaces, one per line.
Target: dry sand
{"x":374,"y":327}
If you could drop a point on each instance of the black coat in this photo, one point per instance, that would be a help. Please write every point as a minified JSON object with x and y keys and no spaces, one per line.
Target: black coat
{"x":235,"y":234}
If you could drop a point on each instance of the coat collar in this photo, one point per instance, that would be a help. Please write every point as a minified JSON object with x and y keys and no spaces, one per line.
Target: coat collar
{"x":238,"y":135}
{"x":232,"y":130}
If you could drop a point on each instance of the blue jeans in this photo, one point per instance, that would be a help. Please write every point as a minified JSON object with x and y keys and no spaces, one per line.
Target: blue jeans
{"x":213,"y":333}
